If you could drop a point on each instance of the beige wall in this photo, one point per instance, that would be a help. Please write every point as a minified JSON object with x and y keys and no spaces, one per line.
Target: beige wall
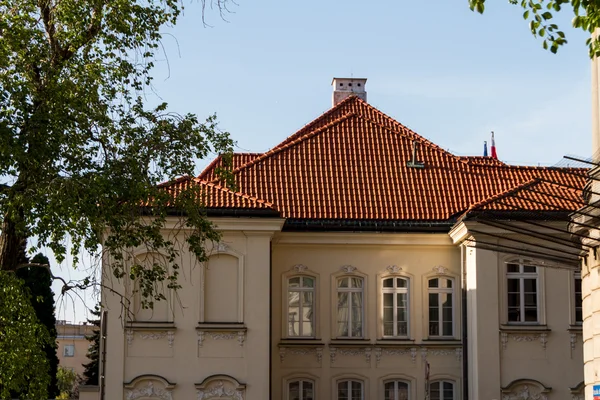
{"x":73,"y":335}
{"x":373,"y":360}
{"x":179,"y":347}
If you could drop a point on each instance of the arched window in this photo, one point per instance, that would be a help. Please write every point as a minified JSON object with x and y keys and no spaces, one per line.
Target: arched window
{"x":523,"y":293}
{"x":350,"y":390}
{"x":441,"y":306}
{"x":350,"y":309}
{"x":441,"y":390}
{"x":395,"y":307}
{"x":301,"y":302}
{"x":301,"y":390}
{"x":396,"y":390}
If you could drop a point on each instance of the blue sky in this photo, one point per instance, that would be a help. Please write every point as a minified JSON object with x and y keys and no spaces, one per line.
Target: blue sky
{"x":448,"y":73}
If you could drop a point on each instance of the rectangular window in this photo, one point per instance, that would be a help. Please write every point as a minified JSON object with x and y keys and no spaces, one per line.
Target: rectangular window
{"x":578,"y":298}
{"x":350,"y":307}
{"x":350,"y":390}
{"x":395,"y":307}
{"x":69,"y":350}
{"x":522,"y":291}
{"x":441,"y":307}
{"x":301,"y":301}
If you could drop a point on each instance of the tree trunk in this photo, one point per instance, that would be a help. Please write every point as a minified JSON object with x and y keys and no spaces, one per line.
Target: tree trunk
{"x":11,"y":244}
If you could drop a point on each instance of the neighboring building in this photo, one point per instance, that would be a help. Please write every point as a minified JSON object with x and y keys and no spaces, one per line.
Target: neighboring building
{"x":72,"y":345}
{"x":361,"y":261}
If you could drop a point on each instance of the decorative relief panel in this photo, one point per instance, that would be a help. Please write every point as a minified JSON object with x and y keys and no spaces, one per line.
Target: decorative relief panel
{"x":525,"y":389}
{"x":149,"y":386}
{"x":299,"y":268}
{"x":440,"y":270}
{"x":220,"y":387}
{"x":394,"y":269}
{"x":224,"y":335}
{"x":348,"y":269}
{"x":542,"y":338}
{"x":300,"y":351}
{"x":146,"y":335}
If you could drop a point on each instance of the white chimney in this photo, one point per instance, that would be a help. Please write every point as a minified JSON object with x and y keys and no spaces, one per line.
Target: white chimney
{"x":346,"y":87}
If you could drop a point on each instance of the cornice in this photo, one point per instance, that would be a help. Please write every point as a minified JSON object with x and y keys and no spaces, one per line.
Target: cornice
{"x":358,"y":238}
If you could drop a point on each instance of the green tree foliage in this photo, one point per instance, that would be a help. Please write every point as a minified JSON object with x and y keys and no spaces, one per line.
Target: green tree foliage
{"x":92,"y":368}
{"x":67,"y":384}
{"x":80,"y":152}
{"x":540,"y":13}
{"x":38,"y":282}
{"x":24,"y":366}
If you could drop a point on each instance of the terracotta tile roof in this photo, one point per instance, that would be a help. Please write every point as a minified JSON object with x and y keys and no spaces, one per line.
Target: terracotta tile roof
{"x":351,"y":164}
{"x":237,"y":160}
{"x":215,"y":196}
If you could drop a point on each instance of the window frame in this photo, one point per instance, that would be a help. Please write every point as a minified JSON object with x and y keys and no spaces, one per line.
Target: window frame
{"x":442,"y":273}
{"x":304,"y":271}
{"x":380,"y":303}
{"x":300,"y":289}
{"x":442,"y":380}
{"x":302,"y":380}
{"x":521,"y":276}
{"x":68,"y":345}
{"x":439,"y":291}
{"x":574,"y":276}
{"x":348,"y":271}
{"x":349,"y":381}
{"x":396,"y":381}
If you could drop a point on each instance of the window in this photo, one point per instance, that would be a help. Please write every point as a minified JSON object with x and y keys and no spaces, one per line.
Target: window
{"x":441,"y":390}
{"x":301,"y":301}
{"x":578,"y":298}
{"x":69,"y":350}
{"x":395,"y":307}
{"x":350,"y":390}
{"x":396,"y":390}
{"x":441,"y":307}
{"x":301,"y":390}
{"x":350,"y":306}
{"x":522,"y":290}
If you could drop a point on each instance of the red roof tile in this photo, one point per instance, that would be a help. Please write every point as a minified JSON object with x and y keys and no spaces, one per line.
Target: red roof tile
{"x":238,"y":159}
{"x":351,"y":163}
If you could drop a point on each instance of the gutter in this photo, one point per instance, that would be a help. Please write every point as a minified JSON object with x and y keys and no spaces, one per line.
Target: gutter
{"x":465,"y":350}
{"x":366,"y":225}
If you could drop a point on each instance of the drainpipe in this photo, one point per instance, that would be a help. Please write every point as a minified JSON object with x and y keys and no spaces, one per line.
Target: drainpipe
{"x":270,"y":319}
{"x":465,"y":351}
{"x":103,"y":326}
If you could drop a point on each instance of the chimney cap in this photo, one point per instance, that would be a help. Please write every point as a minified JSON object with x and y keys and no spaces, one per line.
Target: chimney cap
{"x":364,"y":80}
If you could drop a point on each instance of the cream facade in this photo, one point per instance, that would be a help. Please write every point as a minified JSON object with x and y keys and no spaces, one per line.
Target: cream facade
{"x":72,"y":345}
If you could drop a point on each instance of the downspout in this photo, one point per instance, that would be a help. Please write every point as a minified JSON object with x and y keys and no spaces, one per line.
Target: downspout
{"x":270,"y":320}
{"x":465,"y":351}
{"x":103,"y":347}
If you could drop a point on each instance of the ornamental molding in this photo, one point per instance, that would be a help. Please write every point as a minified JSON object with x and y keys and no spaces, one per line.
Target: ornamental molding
{"x":220,"y":386}
{"x":377,"y":355}
{"x":152,"y":335}
{"x":348,"y":269}
{"x":440,"y":270}
{"x":200,"y":335}
{"x":129,"y":336}
{"x":525,"y":389}
{"x":351,"y":352}
{"x":396,"y":352}
{"x":170,"y":338}
{"x":221,"y":247}
{"x":413,"y":355}
{"x":524,"y":338}
{"x":146,"y":386}
{"x":299,"y":268}
{"x":394,"y":269}
{"x":239,"y":335}
{"x":332,"y":354}
{"x":573,"y":340}
{"x":442,"y":352}
{"x":301,"y":351}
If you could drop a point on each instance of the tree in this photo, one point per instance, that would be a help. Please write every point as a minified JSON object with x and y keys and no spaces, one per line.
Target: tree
{"x":38,"y":283}
{"x":81,"y":154}
{"x":67,"y":384}
{"x":539,"y":14}
{"x":24,"y":365}
{"x":92,"y":368}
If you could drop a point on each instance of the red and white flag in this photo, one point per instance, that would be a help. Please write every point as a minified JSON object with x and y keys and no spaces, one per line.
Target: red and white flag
{"x":494,"y":154}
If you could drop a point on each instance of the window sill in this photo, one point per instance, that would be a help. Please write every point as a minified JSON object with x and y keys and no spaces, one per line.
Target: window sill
{"x":150,"y":326}
{"x":524,"y":328}
{"x":349,"y":342}
{"x":442,"y":342}
{"x":301,"y":342}
{"x":578,"y":328}
{"x":384,"y":341}
{"x":221,"y":327}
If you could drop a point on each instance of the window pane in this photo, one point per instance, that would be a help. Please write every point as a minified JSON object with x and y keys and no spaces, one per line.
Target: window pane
{"x":530,"y":285}
{"x":343,"y":282}
{"x":307,"y":314}
{"x":401,"y":283}
{"x":448,"y":390}
{"x":307,"y":391}
{"x":448,"y":283}
{"x":434,"y":391}
{"x":308,"y":282}
{"x":388,"y":282}
{"x":356,"y":314}
{"x":343,"y":390}
{"x":529,"y":269}
{"x":294,"y":390}
{"x":389,"y":391}
{"x":513,"y":285}
{"x":294,"y":314}
{"x":514,"y":314}
{"x":512,"y":268}
{"x":343,"y":314}
{"x":433,"y":283}
{"x":356,"y":390}
{"x":530,"y":314}
{"x":514,"y":299}
{"x":294,"y":282}
{"x":433,"y":299}
{"x":356,"y":282}
{"x":530,"y":300}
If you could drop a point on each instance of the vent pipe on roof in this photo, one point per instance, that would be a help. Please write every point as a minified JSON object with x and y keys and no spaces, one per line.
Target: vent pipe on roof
{"x":346,"y":87}
{"x":413,"y":163}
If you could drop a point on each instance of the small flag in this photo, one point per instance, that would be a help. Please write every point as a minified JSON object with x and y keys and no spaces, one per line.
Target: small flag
{"x":494,"y":154}
{"x":485,"y":149}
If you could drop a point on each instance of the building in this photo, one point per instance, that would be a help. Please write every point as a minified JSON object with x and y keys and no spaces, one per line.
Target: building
{"x":361,"y":261}
{"x":73,"y":345}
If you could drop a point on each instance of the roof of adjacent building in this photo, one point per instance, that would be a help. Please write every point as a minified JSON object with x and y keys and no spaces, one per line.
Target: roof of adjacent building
{"x":353,"y":163}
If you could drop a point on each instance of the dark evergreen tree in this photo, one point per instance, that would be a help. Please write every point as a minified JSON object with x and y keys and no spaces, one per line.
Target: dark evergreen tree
{"x":92,"y":369}
{"x":38,"y":282}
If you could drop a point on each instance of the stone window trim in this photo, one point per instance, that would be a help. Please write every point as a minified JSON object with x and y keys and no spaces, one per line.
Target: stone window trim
{"x":134,"y":306}
{"x":522,"y":388}
{"x":345,"y":377}
{"x":393,"y":271}
{"x":223,"y":248}
{"x":148,"y":385}
{"x":444,"y":273}
{"x":300,"y":270}
{"x":349,"y":271}
{"x":503,"y":292}
{"x":573,"y":276}
{"x":444,"y":379}
{"x":286,"y":380}
{"x":214,"y":386}
{"x":69,"y":350}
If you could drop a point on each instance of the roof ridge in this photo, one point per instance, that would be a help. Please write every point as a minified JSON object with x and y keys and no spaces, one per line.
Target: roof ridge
{"x":174,"y":181}
{"x":226,"y":189}
{"x":500,"y":195}
{"x":276,"y":150}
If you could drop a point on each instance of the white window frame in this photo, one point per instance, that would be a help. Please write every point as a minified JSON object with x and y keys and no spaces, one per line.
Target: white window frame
{"x":302,"y":380}
{"x":574,"y":276}
{"x":394,"y":291}
{"x":66,"y":353}
{"x":521,"y":276}
{"x":395,"y":382}
{"x":441,"y":382}
{"x":301,"y":289}
{"x":439,"y":291}
{"x":349,"y":382}
{"x":350,"y":290}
